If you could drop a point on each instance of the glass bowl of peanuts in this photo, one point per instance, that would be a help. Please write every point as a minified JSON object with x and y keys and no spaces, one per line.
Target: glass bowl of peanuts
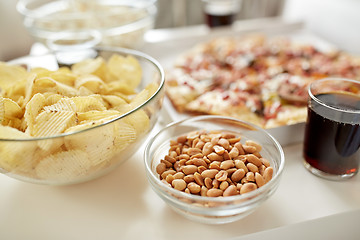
{"x":213,"y":169}
{"x":63,"y":124}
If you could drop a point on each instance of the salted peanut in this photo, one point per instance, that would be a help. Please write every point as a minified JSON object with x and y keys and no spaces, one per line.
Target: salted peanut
{"x":238,"y":175}
{"x":203,"y":191}
{"x":201,"y":169}
{"x":251,"y":158}
{"x":230,"y":191}
{"x":210,"y":173}
{"x":184,"y":156}
{"x":252,"y":167}
{"x":221,"y":175}
{"x":187,"y":191}
{"x":215,"y":183}
{"x":238,"y":186}
{"x":173,"y":148}
{"x":198,"y":155}
{"x":207,"y":149}
{"x":206,"y":160}
{"x":248,"y":187}
{"x":234,"y":152}
{"x":257,"y":154}
{"x":194,"y":188}
{"x":189,"y":169}
{"x":182,"y":139}
{"x":228,"y":135}
{"x":214,"y":157}
{"x":224,"y":185}
{"x":268,"y":174}
{"x":262,"y":170}
{"x":197,"y":162}
{"x":193,"y":135}
{"x":226,"y":155}
{"x":227,"y":164}
{"x":160,"y":168}
{"x":214,"y":140}
{"x":179,"y":175}
{"x":231,"y":171}
{"x":241,"y":165}
{"x":214,"y":192}
{"x":193,"y":151}
{"x":224,"y":143}
{"x":260,"y":181}
{"x":167,"y":172}
{"x":200,"y":144}
{"x":178,"y":151}
{"x":249,"y":149}
{"x":194,"y":142}
{"x":219,"y":149}
{"x":173,"y":154}
{"x":199,"y":179}
{"x":173,"y":142}
{"x":205,"y":138}
{"x":265,"y":162}
{"x":167,"y":163}
{"x":234,"y":140}
{"x":250,"y":177}
{"x":170,"y":159}
{"x":215,"y":165}
{"x":208,"y":182}
{"x":179,"y":184}
{"x":254,"y":144}
{"x":239,"y":146}
{"x":169,"y":178}
{"x":189,"y":178}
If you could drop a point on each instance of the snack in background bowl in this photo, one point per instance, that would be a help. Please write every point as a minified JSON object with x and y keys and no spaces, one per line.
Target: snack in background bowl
{"x":76,"y":123}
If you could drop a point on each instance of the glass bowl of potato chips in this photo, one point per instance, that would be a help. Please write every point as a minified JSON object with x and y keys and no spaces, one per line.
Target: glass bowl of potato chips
{"x":120,"y":23}
{"x":63,"y":124}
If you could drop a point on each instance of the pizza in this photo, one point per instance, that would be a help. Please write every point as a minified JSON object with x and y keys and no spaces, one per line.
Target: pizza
{"x":253,"y":78}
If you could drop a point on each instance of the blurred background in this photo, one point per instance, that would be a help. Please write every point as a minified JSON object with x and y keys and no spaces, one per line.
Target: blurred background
{"x":335,"y":21}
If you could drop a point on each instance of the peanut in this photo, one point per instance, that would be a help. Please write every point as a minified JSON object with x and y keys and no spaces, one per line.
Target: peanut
{"x":214,"y":164}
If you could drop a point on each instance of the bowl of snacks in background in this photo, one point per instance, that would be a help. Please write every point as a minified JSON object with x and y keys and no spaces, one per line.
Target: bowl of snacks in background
{"x":111,"y":23}
{"x":213,"y":169}
{"x":77,"y":122}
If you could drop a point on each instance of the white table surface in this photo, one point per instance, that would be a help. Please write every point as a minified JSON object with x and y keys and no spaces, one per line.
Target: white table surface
{"x":122,"y":205}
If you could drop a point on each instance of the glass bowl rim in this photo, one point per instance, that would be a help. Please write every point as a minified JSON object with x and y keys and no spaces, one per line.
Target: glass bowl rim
{"x":257,"y":193}
{"x":136,"y":53}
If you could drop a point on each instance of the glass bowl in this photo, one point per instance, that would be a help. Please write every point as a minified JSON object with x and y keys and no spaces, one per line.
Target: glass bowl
{"x":110,"y":23}
{"x":87,"y":153}
{"x":213,"y":210}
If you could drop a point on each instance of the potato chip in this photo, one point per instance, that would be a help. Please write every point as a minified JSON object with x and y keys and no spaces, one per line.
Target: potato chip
{"x":94,"y":115}
{"x":64,"y":104}
{"x":64,"y":77}
{"x":91,"y":82}
{"x":9,"y":110}
{"x":11,"y":74}
{"x":113,"y":101}
{"x":63,"y":166}
{"x":125,"y":134}
{"x":139,"y":98}
{"x":125,"y":69}
{"x":118,"y":87}
{"x":33,"y":108}
{"x":88,"y":103}
{"x":16,"y":155}
{"x":139,"y":120}
{"x":95,"y":66}
{"x":15,"y":91}
{"x":51,"y":98}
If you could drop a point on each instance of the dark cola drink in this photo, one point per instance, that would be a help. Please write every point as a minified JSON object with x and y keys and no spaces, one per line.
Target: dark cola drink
{"x":220,"y":12}
{"x":332,"y":134}
{"x":219,"y":20}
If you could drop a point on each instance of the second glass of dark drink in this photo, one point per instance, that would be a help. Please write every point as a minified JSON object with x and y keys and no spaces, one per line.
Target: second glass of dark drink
{"x":221,"y":12}
{"x":332,"y":132}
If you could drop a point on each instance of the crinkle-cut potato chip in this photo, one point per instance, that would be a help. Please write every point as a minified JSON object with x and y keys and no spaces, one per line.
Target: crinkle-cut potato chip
{"x":64,"y":104}
{"x":139,"y":120}
{"x":88,"y":103}
{"x":118,"y":87}
{"x":51,"y":98}
{"x":63,"y":166}
{"x":140,"y":98}
{"x":124,"y":135}
{"x":91,"y":82}
{"x":113,"y":101}
{"x":33,"y":108}
{"x":126,"y":69}
{"x":95,"y":66}
{"x":16,"y":155}
{"x":95,"y":115}
{"x":99,"y":148}
{"x":64,"y":77}
{"x":10,"y":74}
{"x":9,"y":110}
